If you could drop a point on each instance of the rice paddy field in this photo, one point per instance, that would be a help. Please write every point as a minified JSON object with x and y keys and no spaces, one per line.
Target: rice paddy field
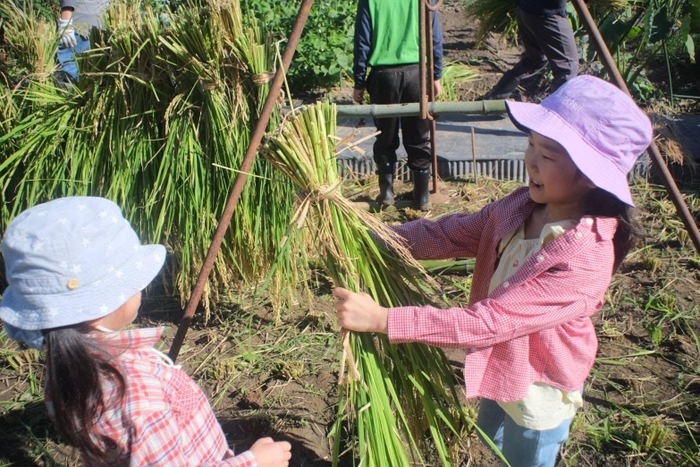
{"x":160,"y":123}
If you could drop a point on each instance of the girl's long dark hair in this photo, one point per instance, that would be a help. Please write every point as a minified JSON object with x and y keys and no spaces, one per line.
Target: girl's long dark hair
{"x":603,"y":203}
{"x":74,"y":368}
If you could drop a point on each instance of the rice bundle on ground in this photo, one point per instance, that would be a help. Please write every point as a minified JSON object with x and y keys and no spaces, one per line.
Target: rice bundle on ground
{"x":400,"y":401}
{"x":159,"y":122}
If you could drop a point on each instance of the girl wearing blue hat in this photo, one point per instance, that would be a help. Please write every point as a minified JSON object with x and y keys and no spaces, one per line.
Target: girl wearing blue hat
{"x":545,"y":255}
{"x":75,"y":270}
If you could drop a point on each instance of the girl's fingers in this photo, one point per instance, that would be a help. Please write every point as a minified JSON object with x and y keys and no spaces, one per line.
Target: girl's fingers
{"x":341,"y":293}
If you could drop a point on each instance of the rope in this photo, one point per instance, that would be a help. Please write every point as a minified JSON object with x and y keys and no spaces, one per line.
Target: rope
{"x":260,"y":79}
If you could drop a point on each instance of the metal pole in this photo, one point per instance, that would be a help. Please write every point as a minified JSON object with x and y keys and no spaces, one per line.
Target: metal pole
{"x":234,"y":195}
{"x":422,"y":75}
{"x":653,"y":150}
{"x":430,"y":88}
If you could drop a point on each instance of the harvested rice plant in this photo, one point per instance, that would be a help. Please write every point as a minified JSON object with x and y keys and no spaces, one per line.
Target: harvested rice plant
{"x":159,"y":123}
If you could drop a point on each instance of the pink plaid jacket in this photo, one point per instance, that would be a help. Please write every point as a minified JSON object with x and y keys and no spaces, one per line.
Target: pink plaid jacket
{"x":164,"y":419}
{"x":535,"y":326}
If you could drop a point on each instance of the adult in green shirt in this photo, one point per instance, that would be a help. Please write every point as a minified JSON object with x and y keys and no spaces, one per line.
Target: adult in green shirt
{"x":387,"y":42}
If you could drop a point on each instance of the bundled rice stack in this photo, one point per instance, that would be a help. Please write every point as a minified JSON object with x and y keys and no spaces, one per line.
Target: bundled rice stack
{"x":499,"y":15}
{"x":400,"y":401}
{"x":159,"y":122}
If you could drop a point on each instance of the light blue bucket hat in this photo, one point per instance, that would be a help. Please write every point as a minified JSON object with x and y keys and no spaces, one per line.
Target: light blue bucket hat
{"x":71,"y":260}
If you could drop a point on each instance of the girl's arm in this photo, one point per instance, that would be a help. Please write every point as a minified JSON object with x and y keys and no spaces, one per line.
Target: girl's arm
{"x":546,"y":300}
{"x":157,"y":441}
{"x":450,"y":236}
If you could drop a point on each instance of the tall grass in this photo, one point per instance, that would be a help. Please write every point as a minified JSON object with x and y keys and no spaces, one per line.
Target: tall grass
{"x":159,"y":123}
{"x":400,"y":401}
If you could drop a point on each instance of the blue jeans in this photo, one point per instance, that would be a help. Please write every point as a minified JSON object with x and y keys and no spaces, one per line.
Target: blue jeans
{"x":522,"y":447}
{"x":65,"y":56}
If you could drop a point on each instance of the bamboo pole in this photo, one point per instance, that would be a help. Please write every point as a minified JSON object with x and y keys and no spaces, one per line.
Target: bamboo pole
{"x":249,"y":158}
{"x":653,"y":150}
{"x":434,"y":108}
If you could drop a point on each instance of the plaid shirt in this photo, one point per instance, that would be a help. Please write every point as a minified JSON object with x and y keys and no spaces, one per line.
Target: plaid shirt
{"x":164,"y":418}
{"x":535,"y":326}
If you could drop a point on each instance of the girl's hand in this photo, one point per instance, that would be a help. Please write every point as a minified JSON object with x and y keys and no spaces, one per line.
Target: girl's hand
{"x":358,"y":312}
{"x":271,"y":453}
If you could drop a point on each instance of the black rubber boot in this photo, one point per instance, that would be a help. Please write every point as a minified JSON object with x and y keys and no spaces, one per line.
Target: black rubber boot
{"x":421,"y":190}
{"x":505,"y":87}
{"x":386,"y":185}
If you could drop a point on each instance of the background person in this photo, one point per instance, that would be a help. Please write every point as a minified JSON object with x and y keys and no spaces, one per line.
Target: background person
{"x":387,"y":41}
{"x":546,"y":34}
{"x":76,"y":19}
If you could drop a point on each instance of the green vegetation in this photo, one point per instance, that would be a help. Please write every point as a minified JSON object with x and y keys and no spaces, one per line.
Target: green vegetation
{"x":637,"y":33}
{"x":390,"y":390}
{"x":324,"y":54}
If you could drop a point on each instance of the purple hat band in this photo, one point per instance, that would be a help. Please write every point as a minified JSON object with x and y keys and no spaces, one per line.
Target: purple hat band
{"x":601,"y":128}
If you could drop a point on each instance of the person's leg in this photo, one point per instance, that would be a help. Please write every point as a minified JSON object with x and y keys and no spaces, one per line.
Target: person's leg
{"x":559,"y":46}
{"x":415,"y":132}
{"x":65,"y":56}
{"x":490,"y":421}
{"x":523,"y":447}
{"x":383,"y":87}
{"x":532,"y":61}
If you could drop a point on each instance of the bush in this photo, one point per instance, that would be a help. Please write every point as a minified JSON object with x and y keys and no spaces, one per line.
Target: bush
{"x":325,"y":49}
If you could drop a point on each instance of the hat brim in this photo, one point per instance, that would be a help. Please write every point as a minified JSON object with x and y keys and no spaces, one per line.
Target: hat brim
{"x":599,"y":169}
{"x":85,"y":302}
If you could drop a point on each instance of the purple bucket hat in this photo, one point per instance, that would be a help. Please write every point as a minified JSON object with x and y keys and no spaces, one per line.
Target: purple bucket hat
{"x":599,"y":125}
{"x":71,"y":260}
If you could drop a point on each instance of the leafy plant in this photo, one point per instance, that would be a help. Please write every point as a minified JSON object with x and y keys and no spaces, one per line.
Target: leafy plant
{"x":642,"y":31}
{"x":324,"y":53}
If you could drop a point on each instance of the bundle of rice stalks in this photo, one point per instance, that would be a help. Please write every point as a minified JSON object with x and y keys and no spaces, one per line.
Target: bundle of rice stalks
{"x":26,"y":48}
{"x":399,"y":401}
{"x":453,"y":75}
{"x":165,"y":103}
{"x":499,"y":15}
{"x":493,"y":16}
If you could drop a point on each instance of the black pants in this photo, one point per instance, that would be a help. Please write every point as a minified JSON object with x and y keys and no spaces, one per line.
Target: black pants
{"x":547,"y":39}
{"x":399,"y":85}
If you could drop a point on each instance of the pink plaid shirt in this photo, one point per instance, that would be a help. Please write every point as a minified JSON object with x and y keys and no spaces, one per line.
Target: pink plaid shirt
{"x":535,"y":326}
{"x":164,"y":418}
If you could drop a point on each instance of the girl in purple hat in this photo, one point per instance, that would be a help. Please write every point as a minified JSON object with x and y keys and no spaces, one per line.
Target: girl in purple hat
{"x":75,"y":270}
{"x":545,"y":255}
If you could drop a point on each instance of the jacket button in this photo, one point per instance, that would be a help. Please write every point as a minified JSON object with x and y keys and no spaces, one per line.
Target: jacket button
{"x":578,"y":235}
{"x":589,"y":221}
{"x":506,"y":284}
{"x":540,"y":258}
